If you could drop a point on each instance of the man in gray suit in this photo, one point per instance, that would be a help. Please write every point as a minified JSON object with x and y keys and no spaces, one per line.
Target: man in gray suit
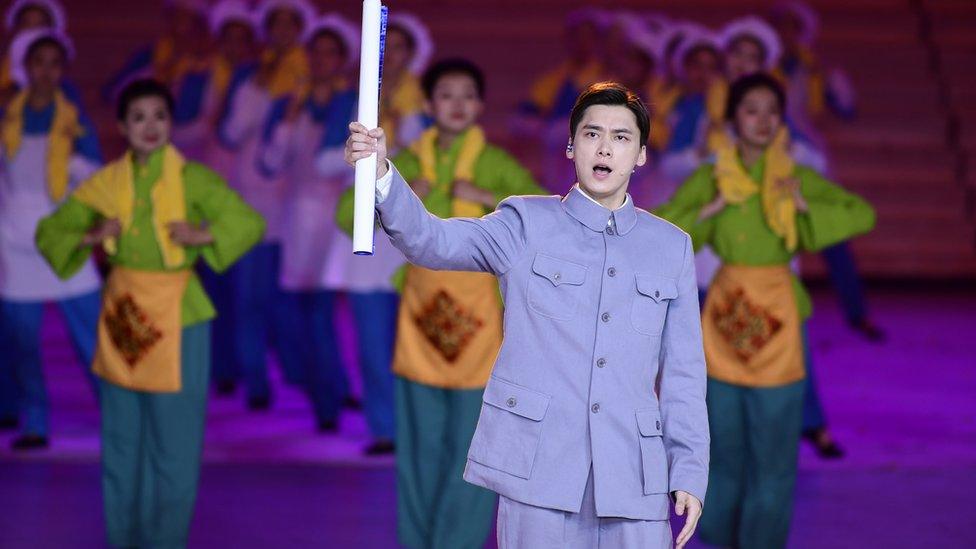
{"x":595,"y":412}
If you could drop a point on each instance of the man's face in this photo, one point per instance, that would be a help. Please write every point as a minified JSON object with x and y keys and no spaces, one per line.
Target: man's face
{"x":606,"y":148}
{"x":325,"y":56}
{"x":745,"y":56}
{"x":147,"y":125}
{"x":45,"y":68}
{"x":758,"y":118}
{"x":455,"y":104}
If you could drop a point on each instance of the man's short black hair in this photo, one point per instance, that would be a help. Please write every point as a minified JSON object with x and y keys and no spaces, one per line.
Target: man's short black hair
{"x":455,"y":65}
{"x":741,"y":87}
{"x":145,"y":87}
{"x":610,"y":93}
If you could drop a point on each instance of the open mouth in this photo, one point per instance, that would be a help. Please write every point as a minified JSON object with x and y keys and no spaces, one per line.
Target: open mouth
{"x":602,"y":171}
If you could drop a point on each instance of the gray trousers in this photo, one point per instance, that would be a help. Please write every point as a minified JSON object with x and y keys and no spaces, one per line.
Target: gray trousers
{"x":522,"y":526}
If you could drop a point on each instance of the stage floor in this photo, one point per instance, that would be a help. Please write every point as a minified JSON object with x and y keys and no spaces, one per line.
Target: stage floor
{"x":905,"y":411}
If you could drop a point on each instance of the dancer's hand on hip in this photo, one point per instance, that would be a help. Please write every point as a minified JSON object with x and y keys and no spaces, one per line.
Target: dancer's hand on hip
{"x":686,"y":503}
{"x":362,"y":143}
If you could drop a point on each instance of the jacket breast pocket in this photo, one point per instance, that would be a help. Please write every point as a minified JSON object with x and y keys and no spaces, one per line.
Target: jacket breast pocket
{"x":654,"y":459}
{"x":650,"y":309}
{"x":510,"y":428}
{"x":555,"y":286}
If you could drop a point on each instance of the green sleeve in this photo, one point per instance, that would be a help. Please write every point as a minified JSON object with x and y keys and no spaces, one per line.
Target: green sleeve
{"x":345,"y":210}
{"x":505,"y":176}
{"x":833,"y":215}
{"x":58,"y":237}
{"x":406,"y":163}
{"x":687,"y":203}
{"x":235,"y":226}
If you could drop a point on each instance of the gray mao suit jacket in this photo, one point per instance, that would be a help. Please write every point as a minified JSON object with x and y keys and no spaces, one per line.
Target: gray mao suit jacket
{"x":601,"y":364}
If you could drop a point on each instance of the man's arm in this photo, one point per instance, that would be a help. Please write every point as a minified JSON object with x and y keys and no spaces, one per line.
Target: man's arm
{"x":682,"y":392}
{"x":491,"y":243}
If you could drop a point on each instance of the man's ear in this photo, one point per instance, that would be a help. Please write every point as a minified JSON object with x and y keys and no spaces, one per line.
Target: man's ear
{"x":569,"y":150}
{"x":642,"y":156}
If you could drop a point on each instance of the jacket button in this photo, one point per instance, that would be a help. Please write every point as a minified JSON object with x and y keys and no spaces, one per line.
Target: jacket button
{"x":595,"y":408}
{"x":556,"y":276}
{"x":605,"y":317}
{"x":612,"y":272}
{"x":511,"y":402}
{"x":601,"y":363}
{"x":610,"y":231}
{"x":657,"y":293}
{"x":657,"y":425}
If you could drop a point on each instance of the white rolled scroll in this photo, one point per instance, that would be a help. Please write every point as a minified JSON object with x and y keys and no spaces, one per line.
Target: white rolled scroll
{"x":370,"y":65}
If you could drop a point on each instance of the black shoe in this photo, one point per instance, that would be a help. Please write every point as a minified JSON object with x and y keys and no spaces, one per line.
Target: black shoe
{"x":826,"y":448}
{"x":869,"y":331}
{"x":381,"y":447}
{"x":8,"y":423}
{"x":29,"y":442}
{"x":328,"y":426}
{"x":226,"y":387}
{"x":352,"y":403}
{"x":259,"y":404}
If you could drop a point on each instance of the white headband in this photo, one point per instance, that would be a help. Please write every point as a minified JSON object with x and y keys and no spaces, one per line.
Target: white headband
{"x":423,"y":44}
{"x":22,"y":44}
{"x":52,"y":7}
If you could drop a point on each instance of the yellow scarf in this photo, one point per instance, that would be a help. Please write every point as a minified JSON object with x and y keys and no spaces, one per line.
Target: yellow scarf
{"x":406,"y":99}
{"x":545,"y":91}
{"x":815,"y":84}
{"x":64,"y":130}
{"x":664,"y":97}
{"x":291,"y":76}
{"x":736,"y":186}
{"x":169,"y":69}
{"x":6,"y":80}
{"x":426,"y":150}
{"x":111,"y":192}
{"x":715,"y":101}
{"x":220,"y":74}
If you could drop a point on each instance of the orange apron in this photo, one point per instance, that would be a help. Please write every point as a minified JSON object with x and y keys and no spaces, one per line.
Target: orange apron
{"x":139,"y":330}
{"x":751,"y":327}
{"x":449,"y":328}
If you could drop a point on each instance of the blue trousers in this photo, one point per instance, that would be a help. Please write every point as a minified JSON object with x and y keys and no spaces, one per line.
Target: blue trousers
{"x":843,"y":275}
{"x":152,"y":444}
{"x":223,"y":361}
{"x":754,"y":451}
{"x":259,"y":317}
{"x":436,"y":508}
{"x":20,"y":340}
{"x":813,"y":414}
{"x":375,"y":315}
{"x":310,"y":328}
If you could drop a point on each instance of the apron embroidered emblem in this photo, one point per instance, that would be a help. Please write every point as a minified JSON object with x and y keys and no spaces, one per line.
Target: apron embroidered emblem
{"x":130,"y":330}
{"x":744,"y":325}
{"x":446,"y":325}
